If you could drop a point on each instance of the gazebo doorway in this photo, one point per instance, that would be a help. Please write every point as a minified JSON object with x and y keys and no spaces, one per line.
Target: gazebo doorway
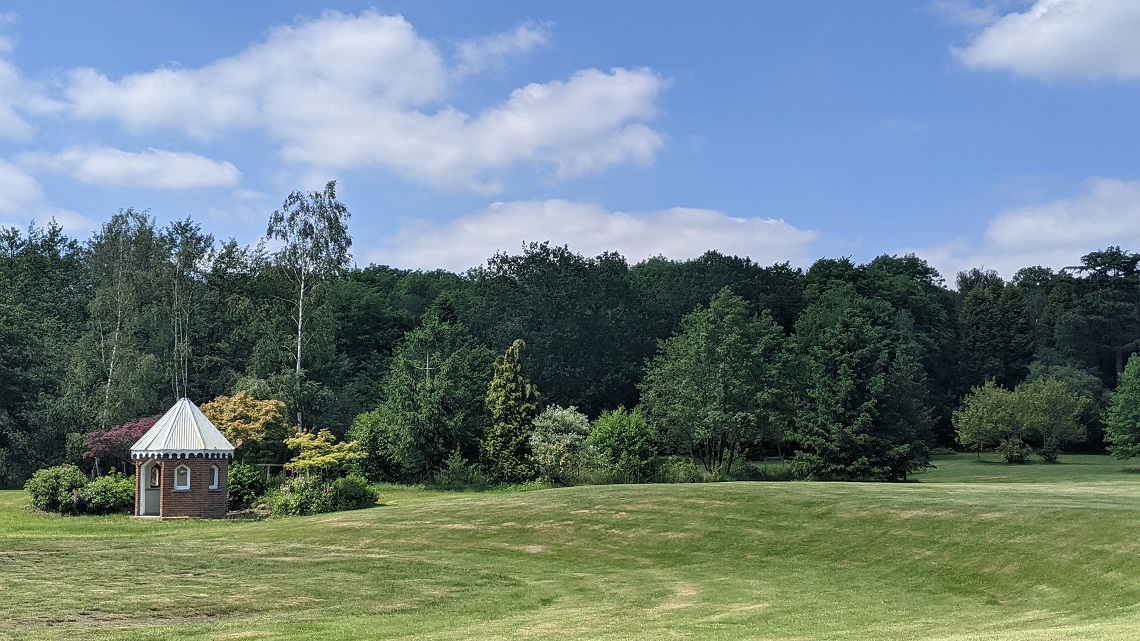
{"x":150,"y":485}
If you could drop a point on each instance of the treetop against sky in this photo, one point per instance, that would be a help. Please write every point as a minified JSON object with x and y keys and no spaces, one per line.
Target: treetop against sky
{"x":995,"y":133}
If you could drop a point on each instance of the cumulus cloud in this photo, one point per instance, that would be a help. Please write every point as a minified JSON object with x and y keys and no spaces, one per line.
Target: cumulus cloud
{"x":591,"y":229}
{"x":347,"y":91}
{"x":151,"y":169}
{"x":1071,"y":39}
{"x":1054,"y":234}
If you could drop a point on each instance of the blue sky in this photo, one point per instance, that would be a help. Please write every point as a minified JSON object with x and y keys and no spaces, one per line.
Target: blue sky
{"x":993,"y":133}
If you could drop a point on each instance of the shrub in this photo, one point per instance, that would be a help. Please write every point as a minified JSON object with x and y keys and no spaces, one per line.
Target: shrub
{"x":1014,"y":451}
{"x":557,"y":443}
{"x":679,"y":469}
{"x":627,"y":443}
{"x":1049,"y":454}
{"x":246,"y":484}
{"x":303,"y":495}
{"x":458,"y":474}
{"x":353,"y":492}
{"x":57,"y":489}
{"x":110,"y":494}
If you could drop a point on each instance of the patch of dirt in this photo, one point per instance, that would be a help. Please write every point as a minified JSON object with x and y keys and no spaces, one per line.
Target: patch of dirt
{"x":911,"y":514}
{"x":533,"y":549}
{"x":461,"y":526}
{"x":684,"y":596}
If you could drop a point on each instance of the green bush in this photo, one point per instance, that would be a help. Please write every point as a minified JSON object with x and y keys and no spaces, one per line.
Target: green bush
{"x":1049,"y":454}
{"x":110,"y":494}
{"x":303,"y":495}
{"x":353,"y":492}
{"x":311,"y":494}
{"x":458,"y":474}
{"x":246,"y":484}
{"x":57,"y":489}
{"x":679,"y":469}
{"x":627,"y":443}
{"x":1014,"y":451}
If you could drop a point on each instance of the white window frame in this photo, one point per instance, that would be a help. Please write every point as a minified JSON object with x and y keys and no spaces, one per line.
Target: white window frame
{"x":181,"y":486}
{"x":215,"y":477}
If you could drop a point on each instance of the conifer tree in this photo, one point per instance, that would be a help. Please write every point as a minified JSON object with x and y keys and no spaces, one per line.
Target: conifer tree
{"x":513,"y":402}
{"x":1122,"y":425}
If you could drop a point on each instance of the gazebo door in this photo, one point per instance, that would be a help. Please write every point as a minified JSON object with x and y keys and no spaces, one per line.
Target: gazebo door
{"x":150,"y":481}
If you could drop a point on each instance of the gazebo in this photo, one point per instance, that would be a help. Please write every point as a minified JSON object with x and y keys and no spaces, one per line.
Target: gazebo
{"x":181,"y":466}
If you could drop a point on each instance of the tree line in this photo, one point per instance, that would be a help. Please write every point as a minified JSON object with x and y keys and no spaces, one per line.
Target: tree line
{"x":851,"y":371}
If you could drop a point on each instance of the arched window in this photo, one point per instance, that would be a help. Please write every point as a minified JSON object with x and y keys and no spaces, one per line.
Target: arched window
{"x":182,"y":478}
{"x":215,"y":477}
{"x":154,"y":475}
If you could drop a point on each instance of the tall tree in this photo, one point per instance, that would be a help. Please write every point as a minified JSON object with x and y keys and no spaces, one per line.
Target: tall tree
{"x":313,"y":231}
{"x":858,"y":355}
{"x":513,"y":402}
{"x":721,"y":383}
{"x":433,"y":401}
{"x":1122,"y":424}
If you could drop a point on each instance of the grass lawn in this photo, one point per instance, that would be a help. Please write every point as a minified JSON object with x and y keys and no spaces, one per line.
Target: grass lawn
{"x":973,"y":550}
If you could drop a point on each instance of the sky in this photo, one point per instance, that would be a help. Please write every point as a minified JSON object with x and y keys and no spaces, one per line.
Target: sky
{"x":974,"y":133}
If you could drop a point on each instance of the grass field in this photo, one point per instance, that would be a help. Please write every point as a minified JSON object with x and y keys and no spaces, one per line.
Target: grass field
{"x":972,"y":550}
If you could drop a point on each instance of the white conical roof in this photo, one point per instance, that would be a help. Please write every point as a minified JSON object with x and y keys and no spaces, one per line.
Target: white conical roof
{"x":182,"y":430}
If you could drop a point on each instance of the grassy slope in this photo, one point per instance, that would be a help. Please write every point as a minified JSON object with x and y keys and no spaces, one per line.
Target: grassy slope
{"x":1042,"y":552}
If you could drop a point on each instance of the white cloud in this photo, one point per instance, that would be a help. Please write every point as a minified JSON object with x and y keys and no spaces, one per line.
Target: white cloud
{"x":151,"y":169}
{"x":476,"y":55}
{"x":1054,"y":234}
{"x":590,"y":229}
{"x":1061,"y":39}
{"x":22,"y":200}
{"x":350,"y":91}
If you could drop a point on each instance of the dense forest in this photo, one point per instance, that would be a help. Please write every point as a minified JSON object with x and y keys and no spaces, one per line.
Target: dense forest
{"x":98,"y":332}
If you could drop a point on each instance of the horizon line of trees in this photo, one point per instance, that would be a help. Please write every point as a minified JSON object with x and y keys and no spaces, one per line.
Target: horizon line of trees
{"x":851,"y":370}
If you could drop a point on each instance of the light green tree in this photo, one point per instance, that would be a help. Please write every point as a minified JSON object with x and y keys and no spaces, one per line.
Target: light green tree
{"x":985,"y":418}
{"x":720,"y":383}
{"x":1122,"y":426}
{"x":558,"y":443}
{"x":513,"y":403}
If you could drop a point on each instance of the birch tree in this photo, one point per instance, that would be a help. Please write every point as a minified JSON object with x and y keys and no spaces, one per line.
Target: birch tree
{"x":313,"y":231}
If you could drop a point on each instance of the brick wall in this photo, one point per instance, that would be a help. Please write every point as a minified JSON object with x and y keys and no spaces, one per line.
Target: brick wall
{"x":199,"y":500}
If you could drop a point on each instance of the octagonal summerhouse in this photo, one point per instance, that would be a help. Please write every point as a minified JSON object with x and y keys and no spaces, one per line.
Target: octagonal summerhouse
{"x":182,"y":466}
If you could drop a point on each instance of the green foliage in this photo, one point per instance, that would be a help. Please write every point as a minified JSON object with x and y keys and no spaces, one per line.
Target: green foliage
{"x":1122,"y":424}
{"x":375,"y":434}
{"x":433,"y":396}
{"x":1014,"y":451}
{"x":320,"y":455}
{"x":1044,"y":409}
{"x":246,"y":484}
{"x":864,"y":415}
{"x":627,"y":444}
{"x":353,"y":493}
{"x":721,"y":383}
{"x":459,"y":474}
{"x":112,"y":493}
{"x":513,"y":403}
{"x":558,"y":442}
{"x":57,"y":489}
{"x":986,"y":417}
{"x":678,"y":469}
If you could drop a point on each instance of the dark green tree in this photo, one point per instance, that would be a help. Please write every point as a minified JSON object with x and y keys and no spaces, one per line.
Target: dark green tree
{"x":863,"y":415}
{"x":433,"y":401}
{"x":513,"y":403}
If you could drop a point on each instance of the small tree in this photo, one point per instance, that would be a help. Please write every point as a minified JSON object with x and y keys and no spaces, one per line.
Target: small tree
{"x":1122,"y":425}
{"x":513,"y":402}
{"x":116,"y":442}
{"x":251,"y":425}
{"x":320,"y":455}
{"x":557,"y":443}
{"x":627,"y":442}
{"x":985,"y":417}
